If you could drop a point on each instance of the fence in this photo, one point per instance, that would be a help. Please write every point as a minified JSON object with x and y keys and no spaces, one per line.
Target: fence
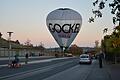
{"x":4,"y":52}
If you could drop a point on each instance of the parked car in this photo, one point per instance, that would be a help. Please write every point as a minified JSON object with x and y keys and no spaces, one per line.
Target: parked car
{"x":85,"y":58}
{"x":69,"y":55}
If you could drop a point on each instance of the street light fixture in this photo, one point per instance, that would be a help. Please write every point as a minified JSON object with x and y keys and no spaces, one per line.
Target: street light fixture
{"x":9,"y":39}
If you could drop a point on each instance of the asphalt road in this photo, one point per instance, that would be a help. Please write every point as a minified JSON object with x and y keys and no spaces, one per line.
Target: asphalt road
{"x":62,"y":69}
{"x":5,"y":61}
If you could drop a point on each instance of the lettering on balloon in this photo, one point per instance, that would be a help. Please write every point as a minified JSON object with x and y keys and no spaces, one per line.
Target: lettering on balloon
{"x":64,"y":35}
{"x":65,"y":28}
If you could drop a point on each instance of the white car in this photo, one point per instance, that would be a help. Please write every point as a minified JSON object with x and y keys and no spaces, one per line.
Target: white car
{"x":85,"y":58}
{"x":69,"y":55}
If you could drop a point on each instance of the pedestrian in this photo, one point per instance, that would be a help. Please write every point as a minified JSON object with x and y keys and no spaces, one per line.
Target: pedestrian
{"x":100,"y":60}
{"x":15,"y":61}
{"x":26,"y":57}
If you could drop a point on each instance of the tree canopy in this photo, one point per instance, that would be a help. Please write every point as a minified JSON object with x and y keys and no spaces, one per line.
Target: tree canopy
{"x":100,"y":4}
{"x":111,"y":43}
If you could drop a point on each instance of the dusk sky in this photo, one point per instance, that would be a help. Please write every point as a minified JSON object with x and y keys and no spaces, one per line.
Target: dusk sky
{"x":27,"y":19}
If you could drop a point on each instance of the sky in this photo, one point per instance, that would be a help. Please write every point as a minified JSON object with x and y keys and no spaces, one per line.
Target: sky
{"x":27,"y":19}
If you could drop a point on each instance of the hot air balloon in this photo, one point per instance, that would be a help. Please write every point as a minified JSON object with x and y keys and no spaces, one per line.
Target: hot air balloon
{"x":64,"y":25}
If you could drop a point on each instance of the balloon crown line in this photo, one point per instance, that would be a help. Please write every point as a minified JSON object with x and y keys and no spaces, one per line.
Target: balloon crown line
{"x":64,"y":9}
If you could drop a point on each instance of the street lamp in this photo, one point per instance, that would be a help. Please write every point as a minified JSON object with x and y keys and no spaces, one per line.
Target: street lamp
{"x":9,"y":39}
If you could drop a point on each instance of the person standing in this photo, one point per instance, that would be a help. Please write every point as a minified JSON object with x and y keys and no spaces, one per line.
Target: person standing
{"x":26,"y":57}
{"x":100,"y":61}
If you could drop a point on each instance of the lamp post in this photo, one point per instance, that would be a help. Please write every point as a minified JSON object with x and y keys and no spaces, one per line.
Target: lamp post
{"x":9,"y":39}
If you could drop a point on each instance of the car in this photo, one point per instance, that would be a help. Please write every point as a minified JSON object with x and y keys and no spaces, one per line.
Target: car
{"x":85,"y":58}
{"x":69,"y":55}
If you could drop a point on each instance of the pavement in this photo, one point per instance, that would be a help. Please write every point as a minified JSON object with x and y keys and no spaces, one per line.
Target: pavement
{"x":108,"y":72}
{"x":113,"y":70}
{"x":7,"y":58}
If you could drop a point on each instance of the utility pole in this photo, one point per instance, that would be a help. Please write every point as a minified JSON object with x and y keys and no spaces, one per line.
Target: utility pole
{"x":9,"y":40}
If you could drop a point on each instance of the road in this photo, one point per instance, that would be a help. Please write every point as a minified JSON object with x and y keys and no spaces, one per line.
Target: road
{"x":55,"y":69}
{"x":22,"y":59}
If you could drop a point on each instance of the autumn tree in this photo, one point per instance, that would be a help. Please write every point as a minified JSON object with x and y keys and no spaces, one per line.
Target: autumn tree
{"x":111,"y":43}
{"x":75,"y":50}
{"x":28,"y":43}
{"x":41,"y":46}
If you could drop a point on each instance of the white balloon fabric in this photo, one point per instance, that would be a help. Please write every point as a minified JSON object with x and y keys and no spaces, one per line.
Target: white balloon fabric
{"x":64,"y":25}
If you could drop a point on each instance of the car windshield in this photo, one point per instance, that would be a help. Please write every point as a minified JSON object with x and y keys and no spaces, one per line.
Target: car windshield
{"x":84,"y":57}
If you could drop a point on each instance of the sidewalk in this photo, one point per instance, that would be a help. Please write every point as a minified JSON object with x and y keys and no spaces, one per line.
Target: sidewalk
{"x":114,"y":71}
{"x":39,"y":61}
{"x":108,"y":72}
{"x":32,"y":59}
{"x":7,"y":58}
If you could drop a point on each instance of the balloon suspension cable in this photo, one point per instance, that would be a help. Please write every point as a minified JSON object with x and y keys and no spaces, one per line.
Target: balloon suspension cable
{"x":64,"y":51}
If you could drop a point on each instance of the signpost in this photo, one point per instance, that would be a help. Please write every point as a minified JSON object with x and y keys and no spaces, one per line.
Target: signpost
{"x":9,"y":40}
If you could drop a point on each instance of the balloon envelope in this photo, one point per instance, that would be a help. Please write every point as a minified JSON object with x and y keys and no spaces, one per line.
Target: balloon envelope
{"x":64,"y":25}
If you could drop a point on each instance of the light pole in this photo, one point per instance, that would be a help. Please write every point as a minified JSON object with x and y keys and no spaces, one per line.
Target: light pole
{"x":9,"y":39}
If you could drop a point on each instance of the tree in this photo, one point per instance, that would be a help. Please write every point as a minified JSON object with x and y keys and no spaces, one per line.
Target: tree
{"x":97,"y":48}
{"x":75,"y":50}
{"x":28,"y":43}
{"x":111,"y":43}
{"x":105,"y":30}
{"x":17,"y":42}
{"x":100,"y":4}
{"x":0,"y":34}
{"x":41,"y":46}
